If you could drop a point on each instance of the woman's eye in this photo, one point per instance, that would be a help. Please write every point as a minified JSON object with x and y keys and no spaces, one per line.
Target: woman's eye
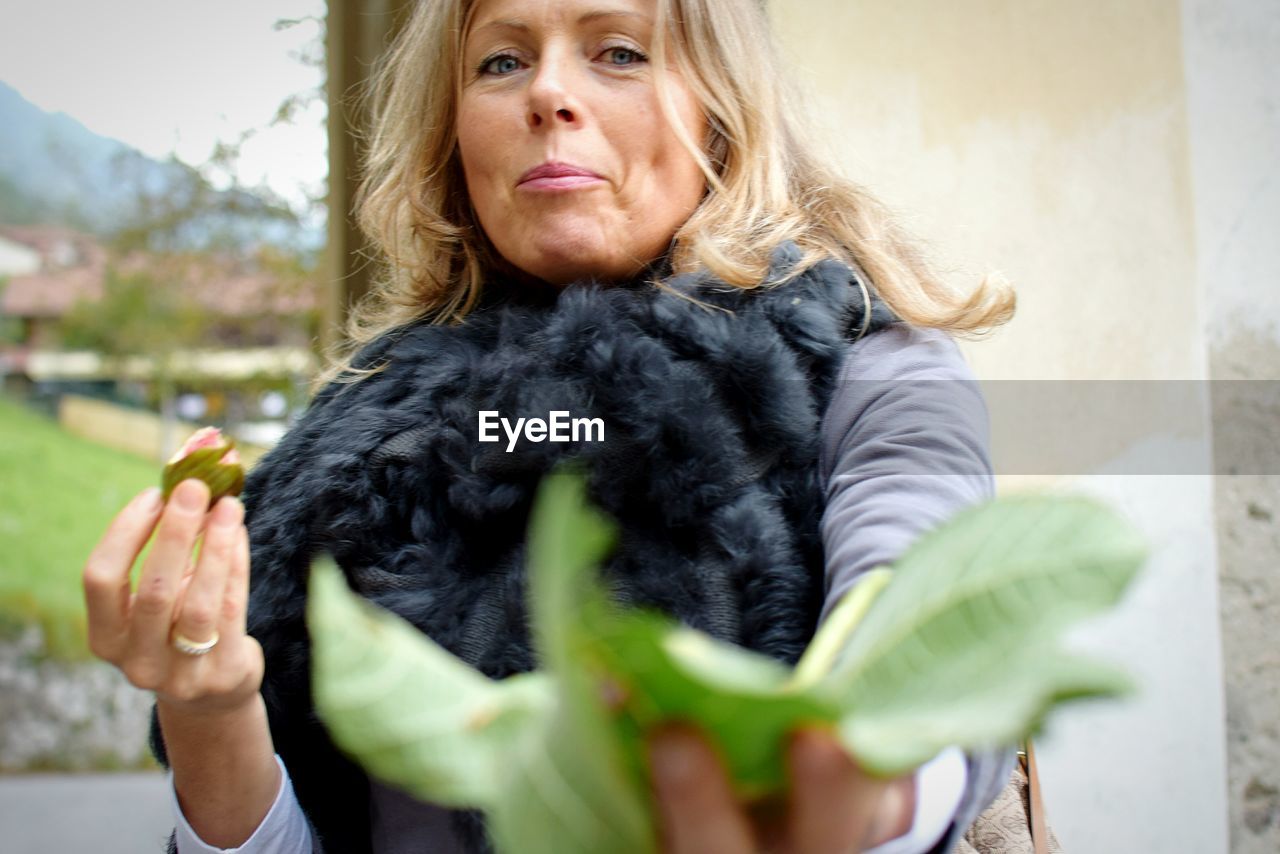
{"x":623,"y":56}
{"x":503,"y":63}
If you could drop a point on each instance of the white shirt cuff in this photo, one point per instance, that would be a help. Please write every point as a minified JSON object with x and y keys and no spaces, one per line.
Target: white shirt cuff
{"x":940,"y":785}
{"x":284,"y":829}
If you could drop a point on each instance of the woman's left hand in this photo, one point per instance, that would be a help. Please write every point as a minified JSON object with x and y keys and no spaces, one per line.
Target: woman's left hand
{"x":832,"y":806}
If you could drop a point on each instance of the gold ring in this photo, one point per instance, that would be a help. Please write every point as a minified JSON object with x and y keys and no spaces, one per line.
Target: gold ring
{"x":186,"y":645}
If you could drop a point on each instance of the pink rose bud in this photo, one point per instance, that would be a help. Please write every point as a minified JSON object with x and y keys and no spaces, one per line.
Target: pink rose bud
{"x":208,"y":456}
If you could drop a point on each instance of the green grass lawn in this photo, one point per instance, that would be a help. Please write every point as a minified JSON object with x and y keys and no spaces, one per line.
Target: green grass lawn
{"x":58,"y":492}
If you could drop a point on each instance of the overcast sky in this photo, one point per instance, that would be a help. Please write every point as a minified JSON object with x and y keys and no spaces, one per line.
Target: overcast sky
{"x":174,"y":76}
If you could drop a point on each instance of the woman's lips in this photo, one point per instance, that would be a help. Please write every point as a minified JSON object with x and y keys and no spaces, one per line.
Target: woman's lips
{"x":553,"y":176}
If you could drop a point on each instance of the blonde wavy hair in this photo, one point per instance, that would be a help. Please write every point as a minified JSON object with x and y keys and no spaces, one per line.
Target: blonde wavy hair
{"x":765,"y":181}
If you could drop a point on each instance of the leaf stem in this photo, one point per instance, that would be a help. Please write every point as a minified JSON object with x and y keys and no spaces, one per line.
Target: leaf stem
{"x":832,"y":636}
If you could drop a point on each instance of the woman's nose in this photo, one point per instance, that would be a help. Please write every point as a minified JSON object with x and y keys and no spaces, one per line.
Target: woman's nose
{"x":563,"y":115}
{"x":551,"y":94}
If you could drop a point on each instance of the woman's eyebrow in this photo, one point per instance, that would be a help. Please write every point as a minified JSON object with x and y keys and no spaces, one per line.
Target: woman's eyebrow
{"x":613,"y":13}
{"x":586,"y":18}
{"x":504,"y":24}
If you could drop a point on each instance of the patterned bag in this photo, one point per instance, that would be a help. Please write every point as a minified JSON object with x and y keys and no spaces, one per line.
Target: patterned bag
{"x":1014,"y":823}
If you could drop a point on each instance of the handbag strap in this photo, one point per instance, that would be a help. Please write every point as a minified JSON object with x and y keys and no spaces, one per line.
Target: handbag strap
{"x":1039,"y":830}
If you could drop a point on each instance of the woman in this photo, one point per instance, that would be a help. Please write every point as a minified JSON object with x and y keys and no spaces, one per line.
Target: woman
{"x":603,"y":207}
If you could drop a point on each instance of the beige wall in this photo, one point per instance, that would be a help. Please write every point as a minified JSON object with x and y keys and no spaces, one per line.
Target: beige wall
{"x":1044,"y":139}
{"x":1050,"y":141}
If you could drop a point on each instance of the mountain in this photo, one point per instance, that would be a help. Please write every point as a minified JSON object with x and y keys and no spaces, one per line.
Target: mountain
{"x":48,"y":160}
{"x":55,"y":170}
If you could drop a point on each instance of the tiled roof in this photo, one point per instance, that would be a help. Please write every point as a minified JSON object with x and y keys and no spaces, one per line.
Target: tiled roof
{"x":75,"y":268}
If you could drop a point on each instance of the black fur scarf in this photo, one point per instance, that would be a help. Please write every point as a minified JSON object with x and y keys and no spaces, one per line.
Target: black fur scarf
{"x":709,"y":463}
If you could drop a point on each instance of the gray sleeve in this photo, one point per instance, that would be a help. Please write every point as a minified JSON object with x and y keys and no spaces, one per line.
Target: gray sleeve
{"x":905,"y":443}
{"x":904,"y":446}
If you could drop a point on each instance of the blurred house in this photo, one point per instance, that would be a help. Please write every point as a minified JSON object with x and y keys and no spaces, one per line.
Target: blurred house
{"x":259,"y":321}
{"x":17,"y":258}
{"x":47,"y":270}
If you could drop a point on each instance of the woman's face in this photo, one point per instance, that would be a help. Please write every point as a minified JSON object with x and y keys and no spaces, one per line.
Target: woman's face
{"x":566,"y":85}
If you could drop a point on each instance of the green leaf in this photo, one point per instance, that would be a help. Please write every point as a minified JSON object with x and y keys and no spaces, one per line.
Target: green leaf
{"x":743,"y":702}
{"x":627,"y":670}
{"x":984,"y":707}
{"x":576,"y":789}
{"x":833,"y":634}
{"x":957,"y":645}
{"x":409,"y":711}
{"x":962,"y":646}
{"x":205,"y":464}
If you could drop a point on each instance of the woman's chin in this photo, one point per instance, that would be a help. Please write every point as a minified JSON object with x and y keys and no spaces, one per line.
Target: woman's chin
{"x":562,"y":263}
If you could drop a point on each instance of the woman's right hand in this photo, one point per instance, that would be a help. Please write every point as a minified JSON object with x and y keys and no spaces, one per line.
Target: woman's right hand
{"x":176,"y":594}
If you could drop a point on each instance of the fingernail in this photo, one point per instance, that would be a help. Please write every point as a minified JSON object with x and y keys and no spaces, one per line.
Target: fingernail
{"x":893,"y":816}
{"x":812,"y":744}
{"x":149,"y":500}
{"x":672,"y":756}
{"x":225,"y":512}
{"x":189,"y":496}
{"x":818,"y":751}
